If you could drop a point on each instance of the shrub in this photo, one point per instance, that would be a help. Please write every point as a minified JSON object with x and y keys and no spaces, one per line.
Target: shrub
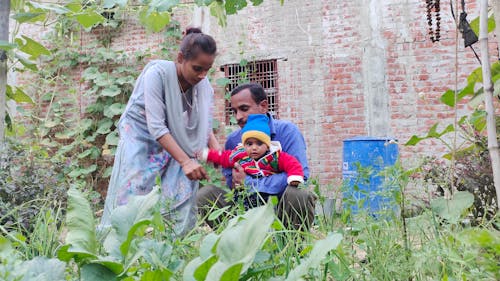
{"x":472,"y":172}
{"x":29,"y":179}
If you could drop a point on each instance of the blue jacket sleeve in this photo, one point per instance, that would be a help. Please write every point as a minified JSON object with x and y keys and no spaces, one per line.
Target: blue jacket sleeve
{"x":274,"y":184}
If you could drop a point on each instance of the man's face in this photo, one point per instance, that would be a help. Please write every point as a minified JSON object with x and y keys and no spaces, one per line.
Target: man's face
{"x":243,"y":105}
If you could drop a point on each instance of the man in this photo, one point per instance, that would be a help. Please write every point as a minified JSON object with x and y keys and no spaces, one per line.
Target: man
{"x":295,"y":206}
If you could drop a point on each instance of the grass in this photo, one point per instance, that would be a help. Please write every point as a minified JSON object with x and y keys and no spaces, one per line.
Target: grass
{"x":422,"y":247}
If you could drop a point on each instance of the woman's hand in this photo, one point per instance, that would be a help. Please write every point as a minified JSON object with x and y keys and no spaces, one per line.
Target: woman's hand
{"x":193,"y":170}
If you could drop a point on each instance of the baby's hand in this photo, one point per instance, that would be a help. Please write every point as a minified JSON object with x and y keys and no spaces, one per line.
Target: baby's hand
{"x":198,"y":154}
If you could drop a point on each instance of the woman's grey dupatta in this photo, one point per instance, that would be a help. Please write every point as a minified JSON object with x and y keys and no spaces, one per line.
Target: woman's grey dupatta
{"x":191,"y":134}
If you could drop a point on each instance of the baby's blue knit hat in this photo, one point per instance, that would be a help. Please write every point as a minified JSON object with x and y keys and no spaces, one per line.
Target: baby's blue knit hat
{"x":257,"y":126}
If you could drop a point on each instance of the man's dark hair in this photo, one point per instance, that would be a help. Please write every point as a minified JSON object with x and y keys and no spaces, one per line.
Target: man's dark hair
{"x":258,"y":93}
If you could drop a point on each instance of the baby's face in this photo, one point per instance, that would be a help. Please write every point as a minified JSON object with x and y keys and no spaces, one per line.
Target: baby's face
{"x":255,"y":148}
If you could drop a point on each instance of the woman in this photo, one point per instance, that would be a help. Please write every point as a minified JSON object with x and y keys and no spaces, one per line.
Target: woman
{"x":167,"y":119}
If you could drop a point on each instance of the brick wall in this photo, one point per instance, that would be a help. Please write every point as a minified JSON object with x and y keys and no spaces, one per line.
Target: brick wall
{"x":346,"y":68}
{"x":345,"y":63}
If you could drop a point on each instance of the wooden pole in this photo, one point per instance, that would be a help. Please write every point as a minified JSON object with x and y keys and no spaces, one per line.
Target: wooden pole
{"x":488,"y":97}
{"x":4,"y":35}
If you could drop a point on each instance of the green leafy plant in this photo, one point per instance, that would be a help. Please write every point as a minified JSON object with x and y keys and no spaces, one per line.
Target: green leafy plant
{"x":472,"y":169}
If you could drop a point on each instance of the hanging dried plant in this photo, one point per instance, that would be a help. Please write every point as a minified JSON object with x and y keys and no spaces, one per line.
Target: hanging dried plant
{"x":433,"y":16}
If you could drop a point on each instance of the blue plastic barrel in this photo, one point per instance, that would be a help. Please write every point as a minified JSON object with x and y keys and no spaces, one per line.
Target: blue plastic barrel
{"x":366,"y":184}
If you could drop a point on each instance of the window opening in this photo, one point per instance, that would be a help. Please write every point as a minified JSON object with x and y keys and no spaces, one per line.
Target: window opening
{"x":263,"y":72}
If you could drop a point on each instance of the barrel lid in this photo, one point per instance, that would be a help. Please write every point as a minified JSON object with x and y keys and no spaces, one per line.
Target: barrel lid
{"x":368,"y":138}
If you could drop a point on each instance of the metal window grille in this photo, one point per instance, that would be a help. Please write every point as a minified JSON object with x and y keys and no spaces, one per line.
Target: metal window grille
{"x":264,"y":72}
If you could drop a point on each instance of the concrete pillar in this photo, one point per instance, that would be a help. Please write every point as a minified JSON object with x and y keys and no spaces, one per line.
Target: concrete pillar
{"x":374,"y":68}
{"x":201,"y":18}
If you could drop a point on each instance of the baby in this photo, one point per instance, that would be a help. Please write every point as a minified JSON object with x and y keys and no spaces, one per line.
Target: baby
{"x":257,"y":154}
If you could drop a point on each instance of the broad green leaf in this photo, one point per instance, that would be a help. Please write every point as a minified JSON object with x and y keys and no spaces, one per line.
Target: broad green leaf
{"x":256,"y":2}
{"x":495,"y":70}
{"x":204,"y":2}
{"x":112,"y":91}
{"x":5,"y":45}
{"x":452,"y":209}
{"x":233,"y":6}
{"x":496,"y":88}
{"x":112,"y":138}
{"x":107,"y":172}
{"x":18,"y":95}
{"x":43,"y":269}
{"x":475,"y":76}
{"x":75,"y":173}
{"x":156,"y":275}
{"x":85,"y":124}
{"x":484,"y":238}
{"x":207,"y":247}
{"x":126,"y":219}
{"x":433,"y":133}
{"x":31,"y":47}
{"x":414,"y":140}
{"x":222,"y":82}
{"x":88,"y":170}
{"x":104,"y":126}
{"x":26,"y":62}
{"x":232,"y":273}
{"x":319,"y":252}
{"x":201,"y":271}
{"x":218,"y":11}
{"x":96,"y":272}
{"x":108,"y":4}
{"x":243,"y":62}
{"x":126,"y":80}
{"x":156,"y":253}
{"x":64,"y":255}
{"x":460,"y":152}
{"x":109,"y":263}
{"x":474,"y":24}
{"x":58,"y":9}
{"x":16,"y":5}
{"x":6,"y":249}
{"x":154,"y":21}
{"x":448,"y":97}
{"x":74,"y":7}
{"x":190,"y":268}
{"x":125,"y":246}
{"x":91,"y":73}
{"x":84,"y":154}
{"x":217,"y":213}
{"x":80,"y":224}
{"x":241,"y":240}
{"x":163,"y":5}
{"x":478,"y":120}
{"x":29,"y":17}
{"x":114,"y":109}
{"x":66,"y":134}
{"x":89,"y":18}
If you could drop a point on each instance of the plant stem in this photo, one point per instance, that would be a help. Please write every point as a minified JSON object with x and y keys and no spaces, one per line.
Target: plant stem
{"x":488,"y":97}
